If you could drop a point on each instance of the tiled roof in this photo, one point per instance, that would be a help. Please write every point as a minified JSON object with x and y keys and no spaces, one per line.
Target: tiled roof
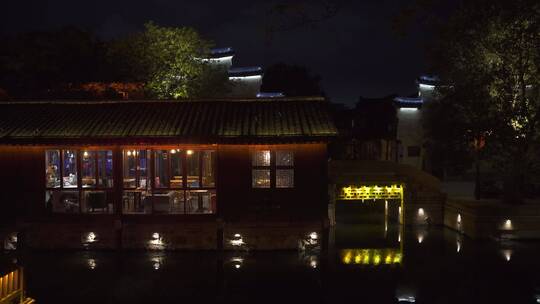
{"x":201,"y":121}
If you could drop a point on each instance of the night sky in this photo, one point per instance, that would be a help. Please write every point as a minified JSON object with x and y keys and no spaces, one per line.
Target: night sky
{"x":356,"y":52}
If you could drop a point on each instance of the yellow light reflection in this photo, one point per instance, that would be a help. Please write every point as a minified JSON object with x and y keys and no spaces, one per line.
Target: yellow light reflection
{"x":375,"y":257}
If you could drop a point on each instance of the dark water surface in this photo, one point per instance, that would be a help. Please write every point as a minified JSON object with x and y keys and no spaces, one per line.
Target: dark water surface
{"x":365,"y":264}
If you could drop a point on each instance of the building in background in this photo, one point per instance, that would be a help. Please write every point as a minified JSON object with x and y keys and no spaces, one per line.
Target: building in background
{"x":410,"y":134}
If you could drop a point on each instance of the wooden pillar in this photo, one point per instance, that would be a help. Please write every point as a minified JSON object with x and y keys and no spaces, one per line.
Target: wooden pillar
{"x":118,"y":186}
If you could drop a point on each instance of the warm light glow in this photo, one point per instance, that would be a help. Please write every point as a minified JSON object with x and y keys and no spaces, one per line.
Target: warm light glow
{"x":364,"y":192}
{"x":173,"y":151}
{"x":314,"y":235}
{"x":128,"y":153}
{"x":459,"y":218}
{"x":156,"y":242}
{"x":374,"y":257}
{"x":237,"y":262}
{"x":91,"y":237}
{"x":189,"y":152}
{"x":507,"y":224}
{"x":237,"y":240}
{"x":85,"y":153}
{"x":92,"y":264}
{"x":421,"y":212}
{"x":507,"y":254}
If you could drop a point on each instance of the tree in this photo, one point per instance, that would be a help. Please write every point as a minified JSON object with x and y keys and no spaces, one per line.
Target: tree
{"x":488,"y":56}
{"x":292,"y":80}
{"x":170,"y":61}
{"x":33,"y":63}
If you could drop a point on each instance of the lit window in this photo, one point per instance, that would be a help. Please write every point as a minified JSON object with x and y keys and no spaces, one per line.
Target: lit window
{"x":272,"y":169}
{"x":69,"y":177}
{"x":192,"y":163}
{"x":261,"y":158}
{"x":284,"y":169}
{"x":52,"y":171}
{"x":105,"y":169}
{"x":88,"y":167}
{"x":208,"y":163}
{"x":284,"y":158}
{"x":261,"y":178}
{"x":284,"y":178}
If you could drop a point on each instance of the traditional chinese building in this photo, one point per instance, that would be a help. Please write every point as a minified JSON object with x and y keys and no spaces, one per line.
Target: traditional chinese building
{"x":198,"y":174}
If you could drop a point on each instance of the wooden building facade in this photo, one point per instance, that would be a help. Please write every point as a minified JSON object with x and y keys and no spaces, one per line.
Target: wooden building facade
{"x":193,"y":173}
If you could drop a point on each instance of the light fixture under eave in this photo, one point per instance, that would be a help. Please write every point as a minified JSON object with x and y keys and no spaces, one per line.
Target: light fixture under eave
{"x":189,"y":152}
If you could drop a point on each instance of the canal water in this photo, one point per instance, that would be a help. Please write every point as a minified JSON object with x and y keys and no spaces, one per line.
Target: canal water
{"x":363,"y":264}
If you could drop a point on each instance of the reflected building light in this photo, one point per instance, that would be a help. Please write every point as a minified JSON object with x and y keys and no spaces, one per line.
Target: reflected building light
{"x":507,"y":253}
{"x":11,"y":242}
{"x":459,"y":218}
{"x":508,"y":224}
{"x":406,"y":299}
{"x":91,"y":264}
{"x":314,"y":236}
{"x":384,"y":256}
{"x":421,"y":212}
{"x":237,"y":262}
{"x":420,"y":237}
{"x":237,"y":240}
{"x":156,"y":262}
{"x":91,"y":237}
{"x":156,"y":241}
{"x":458,"y":246}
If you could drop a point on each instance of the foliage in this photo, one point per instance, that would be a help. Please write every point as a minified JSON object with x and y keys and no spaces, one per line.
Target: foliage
{"x":169,"y":61}
{"x":489,"y":58}
{"x":292,"y":80}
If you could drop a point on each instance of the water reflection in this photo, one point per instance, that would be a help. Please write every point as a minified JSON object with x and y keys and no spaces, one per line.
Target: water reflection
{"x":389,"y":272}
{"x":370,"y":256}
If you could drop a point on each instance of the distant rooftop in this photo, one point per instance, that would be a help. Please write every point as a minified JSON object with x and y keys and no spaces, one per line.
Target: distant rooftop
{"x":409,"y":102}
{"x":428,"y":79}
{"x":245,"y":71}
{"x":221,"y":52}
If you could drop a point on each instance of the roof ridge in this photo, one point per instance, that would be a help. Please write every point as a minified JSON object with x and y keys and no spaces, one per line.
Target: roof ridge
{"x":192,"y":100}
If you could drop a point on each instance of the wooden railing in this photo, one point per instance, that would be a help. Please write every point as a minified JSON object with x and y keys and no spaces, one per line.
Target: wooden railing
{"x":12,"y":288}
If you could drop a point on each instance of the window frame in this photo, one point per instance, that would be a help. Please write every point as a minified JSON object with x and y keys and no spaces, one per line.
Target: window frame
{"x":273,"y":167}
{"x":79,"y":189}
